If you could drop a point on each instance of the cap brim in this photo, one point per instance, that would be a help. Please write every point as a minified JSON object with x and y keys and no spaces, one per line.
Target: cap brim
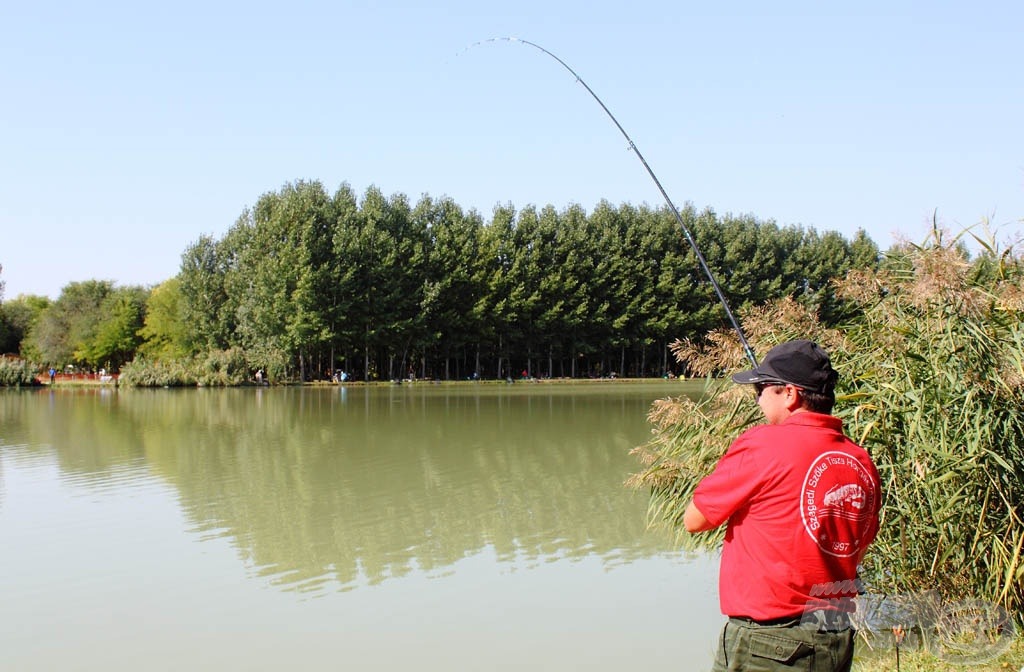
{"x":750,"y":377}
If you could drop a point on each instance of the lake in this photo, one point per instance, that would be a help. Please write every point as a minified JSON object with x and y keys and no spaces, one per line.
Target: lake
{"x":427,"y":527}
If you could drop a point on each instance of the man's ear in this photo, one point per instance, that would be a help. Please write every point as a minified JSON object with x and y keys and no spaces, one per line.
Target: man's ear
{"x":794,"y":398}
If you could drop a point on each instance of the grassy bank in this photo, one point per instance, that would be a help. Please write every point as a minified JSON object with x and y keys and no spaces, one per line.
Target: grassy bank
{"x":919,"y":661}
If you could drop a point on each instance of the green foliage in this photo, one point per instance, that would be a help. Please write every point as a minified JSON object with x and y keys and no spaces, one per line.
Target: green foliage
{"x":205,"y":305}
{"x":164,"y":331}
{"x":223,"y":368}
{"x":115,"y":336}
{"x":217,"y":368}
{"x":376,"y":287}
{"x":16,"y":372}
{"x":939,"y":362}
{"x":305,"y":283}
{"x":92,"y":323}
{"x":63,"y":332}
{"x":453,"y":298}
{"x":690,"y":436}
{"x":932,"y":366}
{"x":17,"y":317}
{"x":283,"y":264}
{"x":144,"y":372}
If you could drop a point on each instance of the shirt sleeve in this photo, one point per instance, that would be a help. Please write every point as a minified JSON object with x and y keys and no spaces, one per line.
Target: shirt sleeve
{"x":736,"y":478}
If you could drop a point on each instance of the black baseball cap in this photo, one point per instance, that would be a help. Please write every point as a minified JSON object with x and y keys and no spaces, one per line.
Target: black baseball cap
{"x":802,"y":363}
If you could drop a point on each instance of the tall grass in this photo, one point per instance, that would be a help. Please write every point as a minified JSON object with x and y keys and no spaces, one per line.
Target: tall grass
{"x":16,"y":372}
{"x":219,"y":368}
{"x":932,"y":366}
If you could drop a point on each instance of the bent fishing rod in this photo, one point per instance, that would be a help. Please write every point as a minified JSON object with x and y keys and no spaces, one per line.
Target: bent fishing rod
{"x":682,"y":225}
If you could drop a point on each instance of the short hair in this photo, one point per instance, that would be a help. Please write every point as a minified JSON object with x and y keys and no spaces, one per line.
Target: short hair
{"x":818,"y":402}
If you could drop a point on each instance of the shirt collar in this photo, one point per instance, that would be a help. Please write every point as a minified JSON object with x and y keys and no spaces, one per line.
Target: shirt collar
{"x":812,"y":419}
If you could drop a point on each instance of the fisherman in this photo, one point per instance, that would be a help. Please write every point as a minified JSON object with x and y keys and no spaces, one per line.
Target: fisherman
{"x":800,"y":502}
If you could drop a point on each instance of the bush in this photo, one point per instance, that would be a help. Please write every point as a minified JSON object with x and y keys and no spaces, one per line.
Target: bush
{"x":16,"y":372}
{"x":223,"y":368}
{"x":142,"y":372}
{"x":932,"y":365}
{"x":219,"y":368}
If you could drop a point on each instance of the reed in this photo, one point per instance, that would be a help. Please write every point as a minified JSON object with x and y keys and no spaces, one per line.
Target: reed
{"x":143,"y":372}
{"x":219,"y":368}
{"x":16,"y":372}
{"x":931,"y":359}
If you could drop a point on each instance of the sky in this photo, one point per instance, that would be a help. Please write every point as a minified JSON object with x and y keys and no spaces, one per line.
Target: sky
{"x":128,"y":130}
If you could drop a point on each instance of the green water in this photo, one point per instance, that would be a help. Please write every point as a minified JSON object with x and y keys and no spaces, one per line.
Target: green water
{"x":389,"y":528}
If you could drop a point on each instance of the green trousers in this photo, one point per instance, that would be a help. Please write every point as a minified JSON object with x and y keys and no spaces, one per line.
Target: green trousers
{"x":750,"y":647}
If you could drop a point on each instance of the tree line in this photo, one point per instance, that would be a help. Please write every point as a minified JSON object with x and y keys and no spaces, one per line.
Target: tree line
{"x":306,"y":283}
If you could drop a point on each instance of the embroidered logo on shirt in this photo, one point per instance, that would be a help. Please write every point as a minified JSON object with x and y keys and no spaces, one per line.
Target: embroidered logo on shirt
{"x":837,"y":502}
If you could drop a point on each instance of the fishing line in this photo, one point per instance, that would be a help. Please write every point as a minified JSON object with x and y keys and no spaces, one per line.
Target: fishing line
{"x":682,"y":225}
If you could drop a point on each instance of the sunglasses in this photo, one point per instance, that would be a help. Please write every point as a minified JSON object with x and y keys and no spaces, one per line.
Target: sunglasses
{"x":761,"y":387}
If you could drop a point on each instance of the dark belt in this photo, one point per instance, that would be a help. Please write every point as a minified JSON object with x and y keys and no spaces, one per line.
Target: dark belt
{"x":825,"y":620}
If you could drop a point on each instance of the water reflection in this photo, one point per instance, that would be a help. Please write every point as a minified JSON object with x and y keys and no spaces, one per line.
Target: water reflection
{"x":321,"y":489}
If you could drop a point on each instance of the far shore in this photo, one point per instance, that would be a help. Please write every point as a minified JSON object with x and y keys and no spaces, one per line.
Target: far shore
{"x":111,"y":380}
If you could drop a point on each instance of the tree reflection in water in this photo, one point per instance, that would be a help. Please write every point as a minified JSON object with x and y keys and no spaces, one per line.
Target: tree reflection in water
{"x":333,"y":488}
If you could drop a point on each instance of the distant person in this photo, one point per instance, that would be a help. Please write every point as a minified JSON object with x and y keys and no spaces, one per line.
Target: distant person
{"x":800,"y":502}
{"x":53,"y":375}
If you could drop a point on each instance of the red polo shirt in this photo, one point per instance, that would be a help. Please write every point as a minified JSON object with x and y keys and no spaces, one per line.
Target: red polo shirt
{"x":802,"y":502}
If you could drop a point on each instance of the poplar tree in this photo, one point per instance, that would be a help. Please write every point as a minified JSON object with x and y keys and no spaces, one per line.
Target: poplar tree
{"x":203,"y":293}
{"x":455,"y":282}
{"x":500,"y":304}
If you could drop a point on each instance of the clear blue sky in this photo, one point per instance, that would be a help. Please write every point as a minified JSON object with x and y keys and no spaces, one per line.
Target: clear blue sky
{"x":129,"y":129}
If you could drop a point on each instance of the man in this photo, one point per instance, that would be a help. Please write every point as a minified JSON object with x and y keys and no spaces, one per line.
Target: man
{"x":800,"y":501}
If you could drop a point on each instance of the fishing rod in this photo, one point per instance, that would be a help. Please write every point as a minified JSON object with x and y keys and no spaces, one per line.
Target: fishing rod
{"x":682,"y":225}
